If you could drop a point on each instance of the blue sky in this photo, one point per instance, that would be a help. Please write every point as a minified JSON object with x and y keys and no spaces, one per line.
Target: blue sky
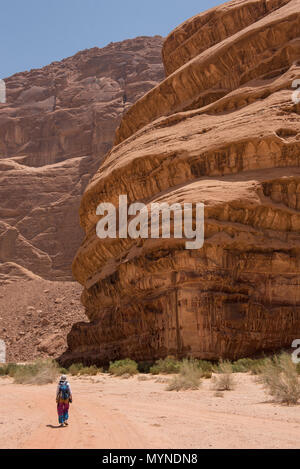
{"x":34,"y":33}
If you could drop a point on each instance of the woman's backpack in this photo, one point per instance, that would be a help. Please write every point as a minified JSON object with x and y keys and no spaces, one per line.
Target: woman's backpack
{"x":64,"y":391}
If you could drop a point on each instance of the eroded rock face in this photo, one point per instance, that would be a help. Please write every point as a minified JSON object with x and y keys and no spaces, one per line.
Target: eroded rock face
{"x":57,"y":124}
{"x":221,"y":129}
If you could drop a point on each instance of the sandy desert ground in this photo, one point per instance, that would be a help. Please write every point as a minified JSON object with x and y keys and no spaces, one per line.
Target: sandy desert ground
{"x":36,"y":317}
{"x":132,"y":413}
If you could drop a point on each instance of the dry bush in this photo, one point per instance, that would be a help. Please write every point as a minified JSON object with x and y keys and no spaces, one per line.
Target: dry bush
{"x":189,"y":377}
{"x":41,"y":372}
{"x":280,"y":379}
{"x":75,"y":369}
{"x":224,"y":380}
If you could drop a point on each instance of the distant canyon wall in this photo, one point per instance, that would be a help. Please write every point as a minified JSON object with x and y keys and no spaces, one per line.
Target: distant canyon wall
{"x":221,"y":129}
{"x":55,"y":128}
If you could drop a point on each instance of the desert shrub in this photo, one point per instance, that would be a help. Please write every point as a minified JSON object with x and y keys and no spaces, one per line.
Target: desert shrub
{"x":257,"y":366}
{"x":90,"y":370}
{"x":75,"y":368}
{"x":11,"y":369}
{"x":8,"y":370}
{"x":167,"y":365}
{"x":40,"y":372}
{"x":170,"y":365}
{"x":189,"y":377}
{"x":280,"y":379}
{"x":123,"y":367}
{"x":3,"y":370}
{"x":245,"y":365}
{"x":205,"y":366}
{"x":224,"y":380}
{"x":78,"y":369}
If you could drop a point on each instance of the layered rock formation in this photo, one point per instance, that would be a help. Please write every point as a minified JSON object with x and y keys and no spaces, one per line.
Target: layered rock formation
{"x":57,"y":124}
{"x":221,"y":129}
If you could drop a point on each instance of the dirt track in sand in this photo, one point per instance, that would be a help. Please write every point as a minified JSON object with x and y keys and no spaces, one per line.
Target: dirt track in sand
{"x":116,"y":413}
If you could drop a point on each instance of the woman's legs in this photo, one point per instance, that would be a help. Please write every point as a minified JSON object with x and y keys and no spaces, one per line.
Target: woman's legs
{"x":63,"y":411}
{"x":66,"y":411}
{"x":60,"y":411}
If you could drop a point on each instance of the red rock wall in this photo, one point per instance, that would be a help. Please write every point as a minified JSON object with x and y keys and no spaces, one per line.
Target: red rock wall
{"x":221,"y":129}
{"x":57,"y":124}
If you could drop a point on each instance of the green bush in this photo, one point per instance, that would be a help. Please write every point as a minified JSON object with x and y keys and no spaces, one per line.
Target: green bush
{"x":167,"y":365}
{"x":123,"y":367}
{"x":8,"y":370}
{"x":78,"y":369}
{"x":245,"y":365}
{"x":205,"y":366}
{"x":242,"y":366}
{"x":257,"y":366}
{"x":170,"y":365}
{"x":189,"y":377}
{"x":75,"y":369}
{"x":3,"y":370}
{"x":90,"y":370}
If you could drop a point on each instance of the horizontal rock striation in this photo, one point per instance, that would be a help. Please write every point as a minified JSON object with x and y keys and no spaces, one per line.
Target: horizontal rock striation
{"x":211,"y":27}
{"x":221,"y":129}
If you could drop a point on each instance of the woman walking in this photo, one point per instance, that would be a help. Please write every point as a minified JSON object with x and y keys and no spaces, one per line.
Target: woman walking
{"x":63,"y":400}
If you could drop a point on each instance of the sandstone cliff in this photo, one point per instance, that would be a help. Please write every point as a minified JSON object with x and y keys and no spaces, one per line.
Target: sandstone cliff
{"x":221,"y":129}
{"x":58,"y":123}
{"x":56,"y":127}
